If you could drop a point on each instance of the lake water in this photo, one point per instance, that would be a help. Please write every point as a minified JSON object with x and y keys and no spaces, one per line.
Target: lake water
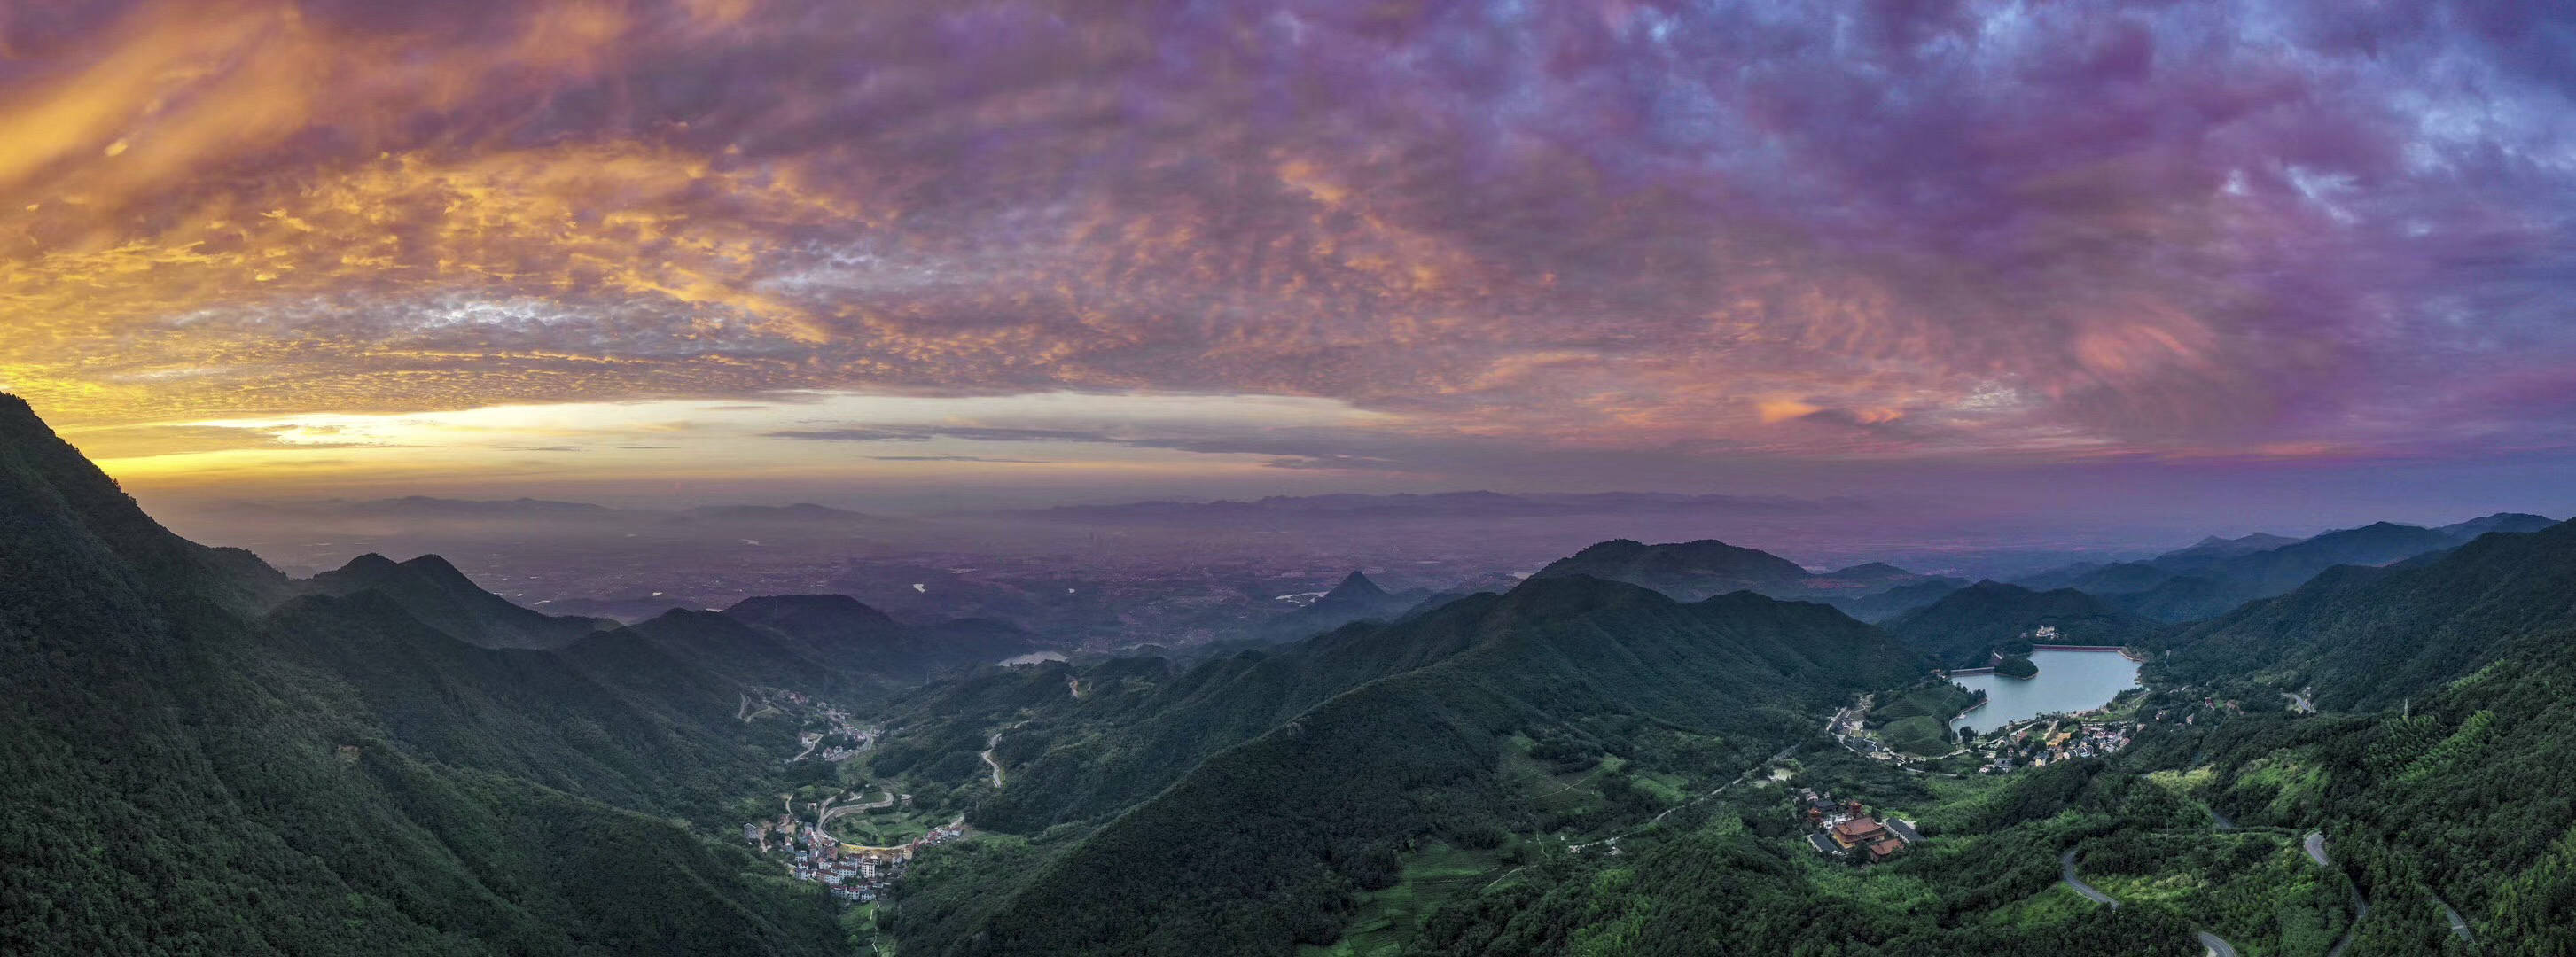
{"x":2067,"y":681}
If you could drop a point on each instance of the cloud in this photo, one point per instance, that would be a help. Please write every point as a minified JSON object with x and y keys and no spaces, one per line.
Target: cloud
{"x":127,"y":441}
{"x":1813,"y":231}
{"x":953,"y":458}
{"x":926,"y":433}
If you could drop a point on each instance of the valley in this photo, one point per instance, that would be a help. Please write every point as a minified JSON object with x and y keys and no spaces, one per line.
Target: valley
{"x":1287,"y":478}
{"x":1404,"y":775}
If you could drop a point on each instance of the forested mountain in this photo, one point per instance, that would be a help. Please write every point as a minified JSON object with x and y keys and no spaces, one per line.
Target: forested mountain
{"x":1259,"y":846}
{"x":2218,"y":575}
{"x":840,"y":631}
{"x":2440,"y":825}
{"x":1690,"y":571}
{"x":2368,"y":638}
{"x":1354,"y":598}
{"x":434,"y":592}
{"x":1687,"y":571}
{"x":1089,"y":742}
{"x":1880,"y":607}
{"x":2422,"y":812}
{"x":187,"y":773}
{"x":200,"y":756}
{"x":1961,"y":628}
{"x":2214,"y":548}
{"x":2441,"y":769}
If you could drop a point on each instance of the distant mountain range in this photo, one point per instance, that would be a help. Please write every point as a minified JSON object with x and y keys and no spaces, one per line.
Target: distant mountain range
{"x":417,"y":511}
{"x":2370,"y":637}
{"x":783,"y":641}
{"x":1441,"y":505}
{"x":1690,"y":571}
{"x":2216,"y":575}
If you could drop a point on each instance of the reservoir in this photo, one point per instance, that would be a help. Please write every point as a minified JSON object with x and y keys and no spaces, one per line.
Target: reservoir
{"x":2068,"y":681}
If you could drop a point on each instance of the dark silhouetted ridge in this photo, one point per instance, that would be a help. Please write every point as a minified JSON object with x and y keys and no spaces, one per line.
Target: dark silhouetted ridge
{"x":442,"y":597}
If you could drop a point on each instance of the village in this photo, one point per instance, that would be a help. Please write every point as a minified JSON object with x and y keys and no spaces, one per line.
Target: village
{"x":2047,"y":739}
{"x":2029,"y":743}
{"x":853,"y":872}
{"x":805,"y":842}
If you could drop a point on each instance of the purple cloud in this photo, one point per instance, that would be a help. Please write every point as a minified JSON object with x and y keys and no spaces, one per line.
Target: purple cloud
{"x":1940,"y":228}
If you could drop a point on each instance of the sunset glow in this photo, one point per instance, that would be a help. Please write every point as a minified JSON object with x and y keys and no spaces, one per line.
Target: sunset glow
{"x":245,"y":234}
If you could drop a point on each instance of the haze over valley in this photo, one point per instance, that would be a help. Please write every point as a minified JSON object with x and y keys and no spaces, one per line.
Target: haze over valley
{"x":1287,"y":478}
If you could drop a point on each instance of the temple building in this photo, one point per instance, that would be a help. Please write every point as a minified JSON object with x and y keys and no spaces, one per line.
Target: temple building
{"x":1867,"y":835}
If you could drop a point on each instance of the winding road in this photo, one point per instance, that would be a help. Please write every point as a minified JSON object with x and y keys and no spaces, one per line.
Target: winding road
{"x":849,"y":809}
{"x":2316,"y":848}
{"x":2458,"y":926}
{"x":2217,"y":946}
{"x":989,"y":744}
{"x":2315,"y":845}
{"x":2066,"y":872}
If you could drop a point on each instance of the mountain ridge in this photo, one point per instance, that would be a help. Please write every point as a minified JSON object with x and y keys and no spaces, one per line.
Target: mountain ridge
{"x":259,"y":763}
{"x":1551,"y":654}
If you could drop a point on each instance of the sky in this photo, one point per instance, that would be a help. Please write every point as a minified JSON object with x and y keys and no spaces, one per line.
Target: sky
{"x":2180,"y":258}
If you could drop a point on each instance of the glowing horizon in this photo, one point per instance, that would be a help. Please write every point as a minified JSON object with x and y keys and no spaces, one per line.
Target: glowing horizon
{"x":272,"y":246}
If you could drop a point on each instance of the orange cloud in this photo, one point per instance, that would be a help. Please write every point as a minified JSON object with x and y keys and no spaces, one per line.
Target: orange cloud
{"x":1782,"y":410}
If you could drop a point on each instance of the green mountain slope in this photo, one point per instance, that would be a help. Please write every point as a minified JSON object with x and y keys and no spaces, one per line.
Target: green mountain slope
{"x":2450,"y":788}
{"x":1260,"y":846}
{"x":1961,"y":628}
{"x":2368,"y":638}
{"x":186,"y":775}
{"x":1355,"y":598}
{"x":1688,"y":571}
{"x":840,"y":631}
{"x":1140,"y":724}
{"x":433,"y":591}
{"x":2217,"y":575}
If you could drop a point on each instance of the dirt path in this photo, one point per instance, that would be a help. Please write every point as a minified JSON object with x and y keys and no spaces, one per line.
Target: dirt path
{"x":1613,"y":841}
